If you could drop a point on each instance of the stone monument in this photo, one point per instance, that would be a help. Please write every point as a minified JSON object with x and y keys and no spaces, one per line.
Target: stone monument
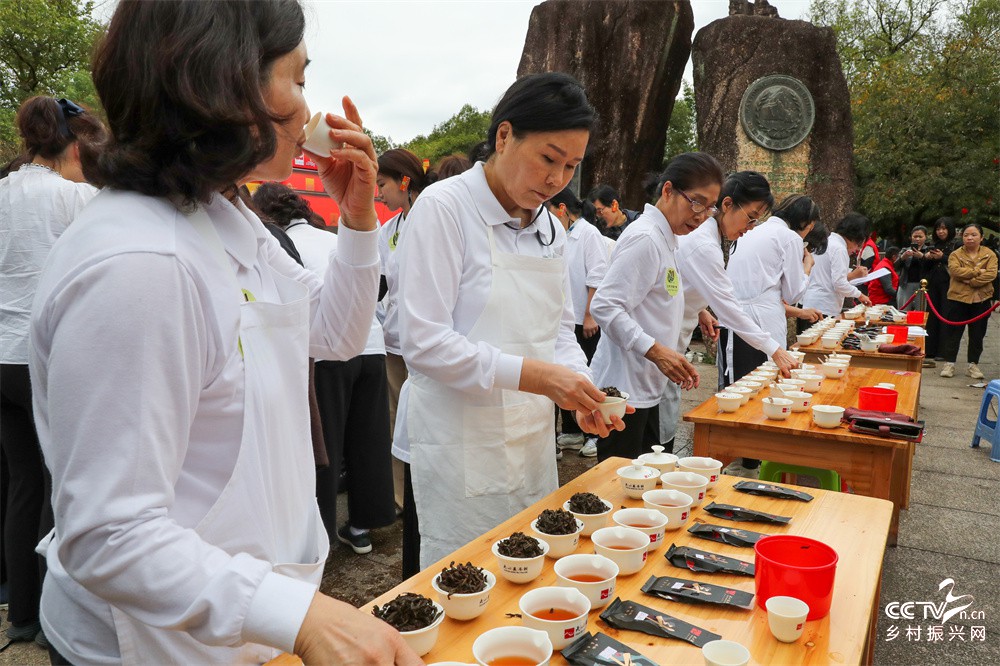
{"x":630,"y":57}
{"x":771,"y":96}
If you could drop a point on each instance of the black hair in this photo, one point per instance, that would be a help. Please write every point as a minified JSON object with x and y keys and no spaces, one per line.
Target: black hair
{"x":399,"y":163}
{"x":603,"y":193}
{"x":280,"y":205}
{"x":798,"y":211}
{"x":891,"y":253}
{"x":182,"y":84}
{"x":745,"y":187}
{"x":973,"y":224}
{"x":949,"y":224}
{"x":854,"y":227}
{"x":685,"y":171}
{"x":568,"y":198}
{"x":546,"y":102}
{"x":922,"y":228}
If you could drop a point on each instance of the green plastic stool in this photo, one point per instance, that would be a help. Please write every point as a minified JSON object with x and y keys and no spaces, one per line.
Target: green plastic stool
{"x":772,"y":471}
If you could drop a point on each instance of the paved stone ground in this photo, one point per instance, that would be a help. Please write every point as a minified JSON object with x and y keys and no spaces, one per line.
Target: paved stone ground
{"x":948,"y":532}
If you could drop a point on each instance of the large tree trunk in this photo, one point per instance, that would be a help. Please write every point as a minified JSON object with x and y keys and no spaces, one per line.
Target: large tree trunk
{"x":630,"y":57}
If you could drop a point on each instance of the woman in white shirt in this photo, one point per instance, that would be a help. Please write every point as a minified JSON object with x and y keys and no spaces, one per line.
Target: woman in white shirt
{"x":352,"y":395}
{"x":170,"y":341}
{"x":640,"y":302}
{"x":828,"y":285}
{"x":486,"y":322}
{"x":768,"y":268}
{"x":37,"y":203}
{"x":400,"y":180}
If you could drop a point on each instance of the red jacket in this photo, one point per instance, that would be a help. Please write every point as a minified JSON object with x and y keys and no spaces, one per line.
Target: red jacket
{"x":876,"y":291}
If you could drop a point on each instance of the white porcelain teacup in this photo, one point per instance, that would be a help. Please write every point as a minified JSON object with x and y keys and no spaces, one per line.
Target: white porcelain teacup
{"x":786,"y":617}
{"x":512,"y":642}
{"x":648,"y":521}
{"x":673,"y":504}
{"x":593,"y":575}
{"x":561,"y":612}
{"x":625,"y":546}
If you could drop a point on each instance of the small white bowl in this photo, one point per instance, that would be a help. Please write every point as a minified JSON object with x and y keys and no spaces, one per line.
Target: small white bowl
{"x":593,"y":575}
{"x":560,"y":545}
{"x":830,"y":342}
{"x":673,"y":504}
{"x":659,"y":460}
{"x":625,"y":546}
{"x":500,"y":642}
{"x":750,"y":384}
{"x":520,"y":569}
{"x":812,"y":382}
{"x":728,"y":402}
{"x":637,"y":479}
{"x":777,"y":409}
{"x":887,"y":385}
{"x":827,"y":416}
{"x":591,"y":521}
{"x":844,"y":358}
{"x":725,"y":653}
{"x":869,"y":345}
{"x":465,"y":606}
{"x":833,"y":370}
{"x":800,"y":400}
{"x":882,"y":338}
{"x":799,"y":384}
{"x":693,"y":485}
{"x":798,"y":355}
{"x":560,"y":632}
{"x":422,"y":641}
{"x":612,"y":407}
{"x":805,"y":339}
{"x":744,"y":393}
{"x":650,"y":522}
{"x":710,"y":468}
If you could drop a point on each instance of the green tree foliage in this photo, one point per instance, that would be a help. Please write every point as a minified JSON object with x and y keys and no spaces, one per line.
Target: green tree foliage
{"x":925,"y":99}
{"x":380,"y":143}
{"x":458,"y":134}
{"x":682,"y":134}
{"x":45,"y":48}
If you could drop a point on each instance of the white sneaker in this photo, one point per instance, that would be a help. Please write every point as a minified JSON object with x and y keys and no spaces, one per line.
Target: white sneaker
{"x":589,"y":449}
{"x":949,"y":370}
{"x":975,"y":372}
{"x":735,"y":468}
{"x":572,"y":441}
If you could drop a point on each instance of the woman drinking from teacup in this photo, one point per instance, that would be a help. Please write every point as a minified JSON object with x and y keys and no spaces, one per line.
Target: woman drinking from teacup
{"x":170,"y":343}
{"x":487,"y":325}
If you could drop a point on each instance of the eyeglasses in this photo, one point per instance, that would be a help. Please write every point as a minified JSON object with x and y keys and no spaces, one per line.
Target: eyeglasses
{"x":753,"y":221}
{"x":697,"y":207}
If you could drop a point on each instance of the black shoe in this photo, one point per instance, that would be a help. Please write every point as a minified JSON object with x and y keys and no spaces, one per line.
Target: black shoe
{"x":25,"y":633}
{"x":41,"y":640}
{"x":359,"y":543}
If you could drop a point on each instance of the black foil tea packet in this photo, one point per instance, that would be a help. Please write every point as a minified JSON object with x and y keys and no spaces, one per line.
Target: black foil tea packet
{"x":743,"y":514}
{"x":631,"y":615}
{"x":727,"y":535}
{"x":771,"y":490}
{"x":600,"y":649}
{"x":687,"y":591}
{"x":701,"y":561}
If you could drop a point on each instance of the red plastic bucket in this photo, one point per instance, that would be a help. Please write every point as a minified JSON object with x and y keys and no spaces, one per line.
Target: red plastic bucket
{"x":795,"y":566}
{"x":877,"y":398}
{"x":898,"y":333}
{"x":915,"y":317}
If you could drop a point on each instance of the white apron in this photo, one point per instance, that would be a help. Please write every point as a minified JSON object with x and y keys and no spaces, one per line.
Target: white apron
{"x":768,"y":312}
{"x":476,"y":461}
{"x":268,"y":508}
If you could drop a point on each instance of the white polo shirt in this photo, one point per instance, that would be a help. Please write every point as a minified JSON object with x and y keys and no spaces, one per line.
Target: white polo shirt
{"x":828,"y":285}
{"x":587,"y":256}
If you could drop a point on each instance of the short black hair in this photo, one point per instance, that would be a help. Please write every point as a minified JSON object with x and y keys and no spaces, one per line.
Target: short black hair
{"x":182,"y":86}
{"x":891,"y":253}
{"x":569,"y":199}
{"x":745,"y":187}
{"x":798,"y":211}
{"x":854,"y":227}
{"x":685,"y":171}
{"x":947,"y":223}
{"x":279,"y":204}
{"x":546,"y":102}
{"x":604,"y":193}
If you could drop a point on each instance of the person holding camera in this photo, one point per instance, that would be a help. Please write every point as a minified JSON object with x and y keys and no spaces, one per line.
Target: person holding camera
{"x":909,"y":266}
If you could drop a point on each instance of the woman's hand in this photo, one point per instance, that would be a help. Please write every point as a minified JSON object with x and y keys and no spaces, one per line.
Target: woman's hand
{"x":709,"y":325}
{"x":864,"y":299}
{"x":590,"y":326}
{"x":337,"y":633}
{"x":348,"y":173}
{"x":593,"y":422}
{"x":567,"y":388}
{"x":784,"y":361}
{"x":808,"y":261}
{"x":809,"y":314}
{"x":673,"y":366}
{"x":858,"y":272}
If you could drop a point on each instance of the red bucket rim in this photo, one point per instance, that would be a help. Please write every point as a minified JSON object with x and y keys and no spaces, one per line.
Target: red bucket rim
{"x":877,"y":390}
{"x":798,"y":540}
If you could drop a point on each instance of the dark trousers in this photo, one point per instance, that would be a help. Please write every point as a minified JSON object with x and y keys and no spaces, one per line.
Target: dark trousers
{"x":353,"y":399}
{"x":958,"y":311}
{"x":411,"y":528}
{"x":642,"y":431}
{"x":589,"y":346}
{"x":29,"y":512}
{"x":745,"y":360}
{"x":937,"y":290}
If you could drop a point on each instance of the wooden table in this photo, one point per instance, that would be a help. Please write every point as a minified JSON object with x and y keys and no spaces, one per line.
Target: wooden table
{"x":872,"y":466}
{"x":856,"y":527}
{"x":864,"y":359}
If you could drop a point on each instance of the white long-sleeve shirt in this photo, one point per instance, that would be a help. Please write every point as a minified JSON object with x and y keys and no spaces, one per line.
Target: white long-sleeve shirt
{"x":828,"y":285}
{"x":704,"y":272}
{"x":390,"y":237}
{"x":138,"y":394}
{"x":765,"y":269}
{"x":36,"y":206}
{"x":315,"y":247}
{"x":445,"y":279}
{"x":587,"y":256}
{"x":634,"y":308}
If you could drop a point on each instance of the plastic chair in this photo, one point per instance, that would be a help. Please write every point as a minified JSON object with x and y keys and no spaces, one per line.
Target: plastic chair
{"x":986,"y":429}
{"x":772,"y":471}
